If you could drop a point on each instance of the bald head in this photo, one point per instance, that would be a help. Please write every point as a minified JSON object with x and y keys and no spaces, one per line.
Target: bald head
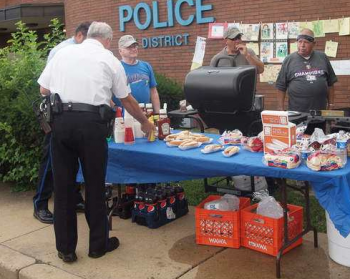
{"x":307,"y":31}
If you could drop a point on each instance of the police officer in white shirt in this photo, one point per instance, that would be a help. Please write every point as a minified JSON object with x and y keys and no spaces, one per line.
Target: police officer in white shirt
{"x":85,"y":76}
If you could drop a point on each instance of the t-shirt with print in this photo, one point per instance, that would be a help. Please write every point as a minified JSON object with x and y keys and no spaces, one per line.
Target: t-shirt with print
{"x":306,"y":81}
{"x":141,"y":79}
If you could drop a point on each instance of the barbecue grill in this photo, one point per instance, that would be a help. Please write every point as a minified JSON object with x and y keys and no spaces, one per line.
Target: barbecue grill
{"x":224,"y":97}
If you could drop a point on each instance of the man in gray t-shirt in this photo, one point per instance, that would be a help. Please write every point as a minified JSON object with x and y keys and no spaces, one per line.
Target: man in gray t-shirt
{"x":307,"y":76}
{"x":237,"y":51}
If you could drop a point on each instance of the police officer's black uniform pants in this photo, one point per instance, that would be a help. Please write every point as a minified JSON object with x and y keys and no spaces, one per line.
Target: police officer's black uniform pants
{"x":45,"y":179}
{"x":79,"y":135}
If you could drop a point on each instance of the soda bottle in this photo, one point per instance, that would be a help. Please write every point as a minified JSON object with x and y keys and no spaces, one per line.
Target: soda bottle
{"x":342,"y":147}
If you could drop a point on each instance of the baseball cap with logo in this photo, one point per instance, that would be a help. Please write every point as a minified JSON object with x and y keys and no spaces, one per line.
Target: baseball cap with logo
{"x":126,"y":41}
{"x":232,"y":32}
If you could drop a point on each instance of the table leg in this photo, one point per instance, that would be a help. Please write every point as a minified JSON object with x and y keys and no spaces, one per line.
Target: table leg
{"x":116,"y":203}
{"x":309,"y":227}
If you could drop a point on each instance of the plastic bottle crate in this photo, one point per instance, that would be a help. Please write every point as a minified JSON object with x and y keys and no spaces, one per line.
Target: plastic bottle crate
{"x":219,"y":228}
{"x":265,"y":234}
{"x":155,"y":215}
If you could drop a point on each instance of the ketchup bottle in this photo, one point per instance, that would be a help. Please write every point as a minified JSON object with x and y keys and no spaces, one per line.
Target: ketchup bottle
{"x":163,"y":124}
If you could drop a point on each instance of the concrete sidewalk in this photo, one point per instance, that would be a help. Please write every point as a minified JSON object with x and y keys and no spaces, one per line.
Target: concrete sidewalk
{"x":27,"y":251}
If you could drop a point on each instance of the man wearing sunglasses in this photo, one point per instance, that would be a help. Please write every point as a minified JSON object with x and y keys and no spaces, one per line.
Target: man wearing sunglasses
{"x":237,"y":50}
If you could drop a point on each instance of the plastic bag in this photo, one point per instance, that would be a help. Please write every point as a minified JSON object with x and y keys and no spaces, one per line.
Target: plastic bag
{"x":268,"y":206}
{"x":226,"y":203}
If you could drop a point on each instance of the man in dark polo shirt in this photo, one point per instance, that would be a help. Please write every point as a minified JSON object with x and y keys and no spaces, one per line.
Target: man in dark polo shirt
{"x":307,"y":76}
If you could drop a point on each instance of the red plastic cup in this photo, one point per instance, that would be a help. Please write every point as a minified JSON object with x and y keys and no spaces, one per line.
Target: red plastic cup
{"x":129,"y":136}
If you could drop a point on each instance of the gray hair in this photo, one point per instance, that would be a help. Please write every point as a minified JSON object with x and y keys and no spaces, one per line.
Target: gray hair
{"x":100,"y":30}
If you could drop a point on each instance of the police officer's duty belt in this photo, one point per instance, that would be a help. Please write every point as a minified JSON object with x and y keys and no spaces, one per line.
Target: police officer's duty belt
{"x":80,"y":107}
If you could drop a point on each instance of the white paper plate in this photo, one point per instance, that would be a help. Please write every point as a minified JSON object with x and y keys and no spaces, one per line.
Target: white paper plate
{"x":204,"y":151}
{"x":190,"y":147}
{"x":227,"y":155}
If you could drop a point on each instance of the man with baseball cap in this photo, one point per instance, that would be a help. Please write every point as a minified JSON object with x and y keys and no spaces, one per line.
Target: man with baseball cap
{"x":139,"y":73}
{"x":237,"y":50}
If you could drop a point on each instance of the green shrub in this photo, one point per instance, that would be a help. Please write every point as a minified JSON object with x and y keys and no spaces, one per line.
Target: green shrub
{"x":20,"y":137}
{"x":170,"y":91}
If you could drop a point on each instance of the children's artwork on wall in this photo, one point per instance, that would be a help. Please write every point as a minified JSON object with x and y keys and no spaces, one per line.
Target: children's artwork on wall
{"x":331,"y":25}
{"x":293,"y":47}
{"x":266,"y":51}
{"x":306,"y":24}
{"x":344,"y":26}
{"x":331,"y":48}
{"x":254,"y":47}
{"x":267,"y":31}
{"x":281,"y":31}
{"x":281,"y":51}
{"x":250,"y":32}
{"x":234,"y":24}
{"x":270,"y":73}
{"x":293,"y":30}
{"x":317,"y":27}
{"x":216,"y":30}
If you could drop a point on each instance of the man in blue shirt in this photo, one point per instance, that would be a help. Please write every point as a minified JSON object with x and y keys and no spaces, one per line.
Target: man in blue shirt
{"x":139,"y":73}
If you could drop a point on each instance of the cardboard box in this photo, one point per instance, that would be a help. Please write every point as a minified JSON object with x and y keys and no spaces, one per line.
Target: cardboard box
{"x":274,"y":117}
{"x":278,"y":137}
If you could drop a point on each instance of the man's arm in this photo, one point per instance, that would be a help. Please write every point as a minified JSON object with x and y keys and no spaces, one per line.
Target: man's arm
{"x":330,"y":97}
{"x":252,"y":59}
{"x":155,"y":99}
{"x":44,"y":91}
{"x":281,"y":96}
{"x":132,"y":106}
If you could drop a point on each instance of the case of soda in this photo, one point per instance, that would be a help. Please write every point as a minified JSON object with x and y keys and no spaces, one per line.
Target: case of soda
{"x":156,"y":206}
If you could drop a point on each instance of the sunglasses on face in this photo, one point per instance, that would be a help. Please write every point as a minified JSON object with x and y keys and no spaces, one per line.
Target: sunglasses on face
{"x":236,"y":38}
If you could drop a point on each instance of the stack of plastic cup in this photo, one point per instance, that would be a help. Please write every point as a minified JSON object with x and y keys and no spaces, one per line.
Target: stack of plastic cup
{"x":129,"y":136}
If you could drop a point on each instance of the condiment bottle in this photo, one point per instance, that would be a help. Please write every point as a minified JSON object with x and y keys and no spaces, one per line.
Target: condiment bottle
{"x":163,"y":124}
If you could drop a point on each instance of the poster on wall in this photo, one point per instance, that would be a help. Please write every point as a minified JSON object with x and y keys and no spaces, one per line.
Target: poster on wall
{"x":293,"y":47}
{"x":266,"y":51}
{"x":199,"y":53}
{"x":281,"y":51}
{"x":306,"y":24}
{"x":216,"y":30}
{"x":254,"y":47}
{"x":270,"y":73}
{"x":317,"y":27}
{"x":331,"y":25}
{"x":344,"y":26}
{"x":267,"y":31}
{"x":331,"y":49}
{"x":293,"y":30}
{"x":281,"y":31}
{"x":250,"y":32}
{"x":234,"y":24}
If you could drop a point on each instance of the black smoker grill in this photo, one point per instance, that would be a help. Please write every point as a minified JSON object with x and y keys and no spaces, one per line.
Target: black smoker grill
{"x":224,"y":97}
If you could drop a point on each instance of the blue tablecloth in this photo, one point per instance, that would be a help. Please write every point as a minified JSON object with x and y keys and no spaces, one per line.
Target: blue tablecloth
{"x":145,"y":162}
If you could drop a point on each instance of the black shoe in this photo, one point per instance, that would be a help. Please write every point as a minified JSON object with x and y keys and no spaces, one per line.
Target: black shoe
{"x":113,"y":243}
{"x":67,"y":258}
{"x":80,"y":207}
{"x":44,"y":216}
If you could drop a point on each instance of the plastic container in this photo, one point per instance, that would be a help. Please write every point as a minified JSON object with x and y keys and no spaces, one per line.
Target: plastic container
{"x":338,"y":246}
{"x":219,"y":228}
{"x":342,"y":147}
{"x":266,"y":234}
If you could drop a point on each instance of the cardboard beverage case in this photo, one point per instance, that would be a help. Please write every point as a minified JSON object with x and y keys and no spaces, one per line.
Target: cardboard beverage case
{"x":278,"y":132}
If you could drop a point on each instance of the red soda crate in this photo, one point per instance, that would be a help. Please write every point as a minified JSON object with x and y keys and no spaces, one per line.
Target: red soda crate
{"x":265,"y":234}
{"x":219,"y":228}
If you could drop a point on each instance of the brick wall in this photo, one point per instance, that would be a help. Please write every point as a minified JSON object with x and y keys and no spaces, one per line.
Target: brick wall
{"x":10,"y":3}
{"x":175,"y":62}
